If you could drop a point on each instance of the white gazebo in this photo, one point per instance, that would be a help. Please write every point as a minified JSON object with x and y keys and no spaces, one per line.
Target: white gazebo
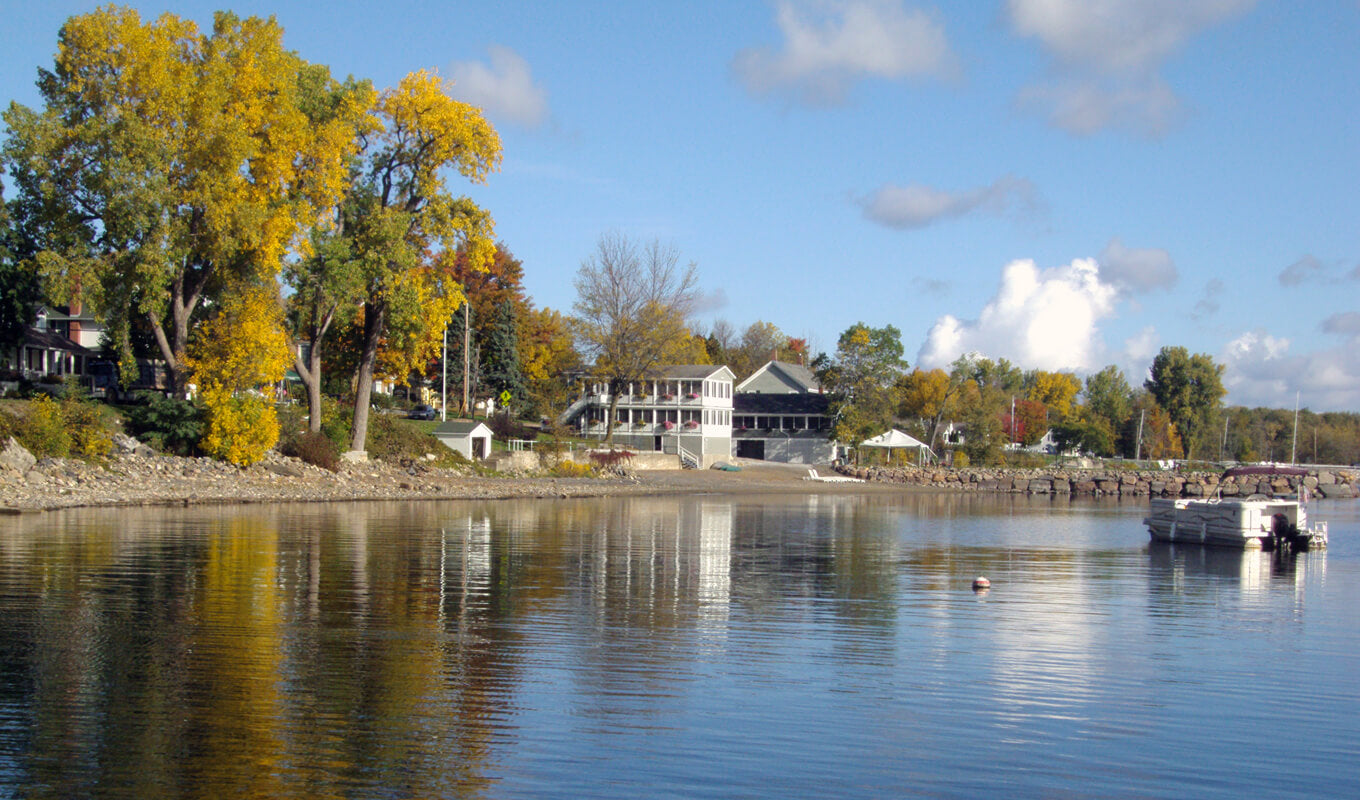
{"x":897,"y":440}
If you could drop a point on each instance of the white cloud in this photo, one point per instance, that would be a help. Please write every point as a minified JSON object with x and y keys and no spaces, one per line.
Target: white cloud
{"x":1108,"y":54}
{"x":1260,"y":371}
{"x":828,"y":46}
{"x":916,"y":206}
{"x":1041,"y":320}
{"x":1142,"y":346}
{"x":505,"y":89}
{"x":1137,"y":269}
{"x":1305,"y":269}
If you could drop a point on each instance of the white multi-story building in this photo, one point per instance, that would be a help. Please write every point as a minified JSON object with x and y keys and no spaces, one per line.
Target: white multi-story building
{"x":684,"y":409}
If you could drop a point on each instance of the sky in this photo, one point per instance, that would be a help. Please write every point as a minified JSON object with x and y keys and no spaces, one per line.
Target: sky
{"x":1062,"y":183}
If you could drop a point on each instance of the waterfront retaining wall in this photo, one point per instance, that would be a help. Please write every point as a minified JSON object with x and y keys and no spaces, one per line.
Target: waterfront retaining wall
{"x":1329,"y":483}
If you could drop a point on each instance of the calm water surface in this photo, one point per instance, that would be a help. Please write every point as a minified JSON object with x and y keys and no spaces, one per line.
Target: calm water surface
{"x":671,"y":647}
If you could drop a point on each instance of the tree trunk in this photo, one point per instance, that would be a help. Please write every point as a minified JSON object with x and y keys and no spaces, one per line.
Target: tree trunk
{"x":613,"y":409}
{"x":310,"y":373}
{"x":311,"y":378}
{"x":375,"y":317}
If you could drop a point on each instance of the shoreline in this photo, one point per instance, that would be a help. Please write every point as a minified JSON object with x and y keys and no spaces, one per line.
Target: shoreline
{"x":142,"y":480}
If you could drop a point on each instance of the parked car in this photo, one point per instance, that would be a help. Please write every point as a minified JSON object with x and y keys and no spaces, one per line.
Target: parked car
{"x":421,"y":412}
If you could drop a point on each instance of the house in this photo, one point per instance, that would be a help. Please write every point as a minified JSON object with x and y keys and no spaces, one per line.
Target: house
{"x":684,"y":409}
{"x":779,"y":413}
{"x":58,"y":343}
{"x":466,"y":436}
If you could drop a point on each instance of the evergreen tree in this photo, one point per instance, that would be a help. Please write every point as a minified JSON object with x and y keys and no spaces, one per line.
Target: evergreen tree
{"x":501,"y":369}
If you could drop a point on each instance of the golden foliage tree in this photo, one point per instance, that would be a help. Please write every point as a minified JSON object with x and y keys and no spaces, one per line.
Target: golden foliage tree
{"x":398,"y":212}
{"x":1056,"y":390}
{"x":236,"y":358}
{"x":167,"y":163}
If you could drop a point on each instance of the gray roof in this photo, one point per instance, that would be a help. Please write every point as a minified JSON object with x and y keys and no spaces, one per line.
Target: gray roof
{"x":691,"y":372}
{"x":460,"y":427}
{"x":795,"y":374}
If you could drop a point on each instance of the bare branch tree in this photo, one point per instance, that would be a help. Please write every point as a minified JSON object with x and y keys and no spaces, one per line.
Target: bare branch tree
{"x":632,"y":305}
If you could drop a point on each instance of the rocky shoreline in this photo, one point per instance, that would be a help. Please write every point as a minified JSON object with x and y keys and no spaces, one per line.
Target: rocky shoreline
{"x":135,"y":475}
{"x":1328,"y":483}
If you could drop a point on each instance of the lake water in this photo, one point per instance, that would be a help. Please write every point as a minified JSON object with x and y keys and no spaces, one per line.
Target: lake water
{"x":725,"y":647}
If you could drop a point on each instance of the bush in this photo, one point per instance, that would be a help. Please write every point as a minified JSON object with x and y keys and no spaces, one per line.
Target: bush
{"x":506,"y":427}
{"x":43,"y":431}
{"x":167,"y":424}
{"x":337,"y":420}
{"x":240,"y":428}
{"x":960,"y":459}
{"x":570,"y":469}
{"x":315,"y":448}
{"x":63,"y":428}
{"x":615,"y":461}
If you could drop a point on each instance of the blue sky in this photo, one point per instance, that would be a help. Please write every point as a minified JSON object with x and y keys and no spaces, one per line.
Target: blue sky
{"x":1065,"y":184}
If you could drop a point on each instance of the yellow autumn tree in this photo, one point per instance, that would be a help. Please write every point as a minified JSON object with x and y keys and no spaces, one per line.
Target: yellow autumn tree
{"x":1056,"y":390}
{"x":398,"y":212}
{"x":167,"y":162}
{"x":236,"y":358}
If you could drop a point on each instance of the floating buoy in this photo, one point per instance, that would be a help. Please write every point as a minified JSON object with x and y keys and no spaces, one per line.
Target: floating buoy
{"x":981,"y":583}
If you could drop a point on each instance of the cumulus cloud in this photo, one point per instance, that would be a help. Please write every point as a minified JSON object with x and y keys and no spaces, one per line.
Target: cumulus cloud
{"x":917,"y":206}
{"x":505,"y":88}
{"x":826,"y":47}
{"x":1137,"y":269}
{"x":1043,"y":319}
{"x":1259,"y":370}
{"x":1107,"y":56}
{"x":1305,"y":269}
{"x":1209,"y":302}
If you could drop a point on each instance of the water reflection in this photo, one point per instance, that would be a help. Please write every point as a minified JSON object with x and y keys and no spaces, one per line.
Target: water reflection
{"x":552,"y":648}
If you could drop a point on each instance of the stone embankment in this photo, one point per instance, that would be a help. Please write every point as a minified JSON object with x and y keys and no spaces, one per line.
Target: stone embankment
{"x":1339,"y":483}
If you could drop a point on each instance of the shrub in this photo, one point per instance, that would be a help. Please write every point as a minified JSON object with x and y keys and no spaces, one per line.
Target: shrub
{"x":960,"y":459}
{"x":315,"y":448}
{"x":611,"y":460}
{"x":505,"y":427}
{"x":337,"y":420}
{"x":166,"y":423}
{"x":91,"y":438}
{"x":570,"y":469}
{"x":43,"y":430}
{"x":240,"y":428}
{"x":63,"y":428}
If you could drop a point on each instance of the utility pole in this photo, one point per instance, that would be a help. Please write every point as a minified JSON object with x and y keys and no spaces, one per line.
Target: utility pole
{"x":1138,"y":446}
{"x":444,"y":380}
{"x":1224,"y":446}
{"x":1294,"y":443}
{"x":467,"y":346}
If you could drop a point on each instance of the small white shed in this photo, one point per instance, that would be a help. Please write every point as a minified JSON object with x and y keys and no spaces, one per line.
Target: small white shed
{"x":467,"y":436}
